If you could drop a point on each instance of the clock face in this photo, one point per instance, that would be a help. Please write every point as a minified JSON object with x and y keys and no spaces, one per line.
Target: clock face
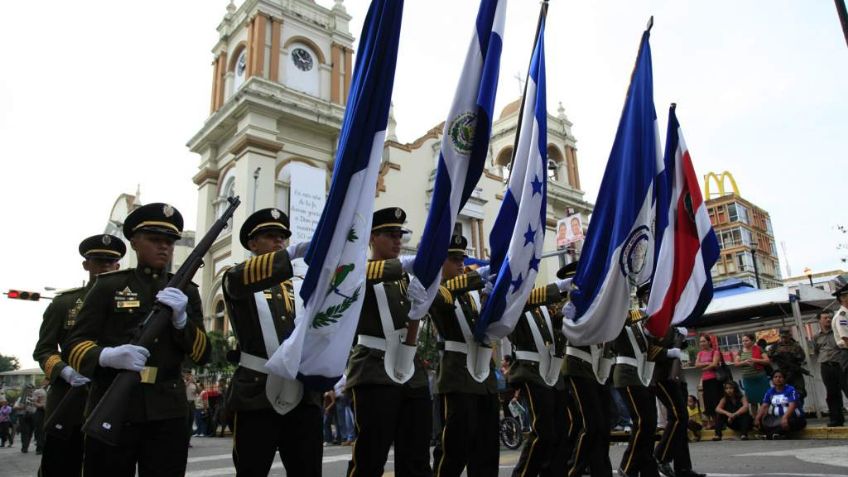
{"x":241,"y":65}
{"x":302,"y":59}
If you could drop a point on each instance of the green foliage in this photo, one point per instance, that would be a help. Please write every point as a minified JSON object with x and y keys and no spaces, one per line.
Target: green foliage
{"x":351,"y":235}
{"x":428,"y":350}
{"x":334,"y":313}
{"x":219,"y":345}
{"x":9,"y":363}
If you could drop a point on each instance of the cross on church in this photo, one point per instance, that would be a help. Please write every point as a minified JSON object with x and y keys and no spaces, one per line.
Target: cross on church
{"x":518,"y":76}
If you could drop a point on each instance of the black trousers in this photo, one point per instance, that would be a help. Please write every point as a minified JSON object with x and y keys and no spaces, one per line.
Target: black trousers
{"x":742,"y":423}
{"x":539,"y":446}
{"x":260,"y":434}
{"x":589,"y":404}
{"x":564,"y":434}
{"x":674,"y":445}
{"x":638,"y":457}
{"x":62,"y":457}
{"x":158,"y":448}
{"x":26,"y":427}
{"x":386,"y":414}
{"x":835,"y":381}
{"x":469,"y":435}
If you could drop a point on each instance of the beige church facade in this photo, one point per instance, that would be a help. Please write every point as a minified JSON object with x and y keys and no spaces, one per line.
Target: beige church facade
{"x":281,"y":77}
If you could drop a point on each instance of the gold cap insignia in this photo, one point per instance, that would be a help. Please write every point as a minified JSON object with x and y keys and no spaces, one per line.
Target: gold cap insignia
{"x":457,"y":240}
{"x":168,"y":210}
{"x":398,"y":213}
{"x":275,"y":214}
{"x":106,"y":240}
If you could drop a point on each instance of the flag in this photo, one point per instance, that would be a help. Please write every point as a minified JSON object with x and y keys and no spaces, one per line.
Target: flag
{"x":687,"y":245}
{"x":465,"y":144}
{"x":619,"y":246}
{"x":519,"y":231}
{"x":334,"y":286}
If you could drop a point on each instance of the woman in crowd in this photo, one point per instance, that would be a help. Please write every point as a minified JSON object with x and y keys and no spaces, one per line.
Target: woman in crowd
{"x":695,"y":423}
{"x":752,"y":361}
{"x":5,"y":422}
{"x":707,"y":361}
{"x":781,"y":411}
{"x":733,"y":412}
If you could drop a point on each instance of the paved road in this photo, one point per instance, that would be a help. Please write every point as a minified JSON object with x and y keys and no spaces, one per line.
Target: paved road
{"x":211,"y":457}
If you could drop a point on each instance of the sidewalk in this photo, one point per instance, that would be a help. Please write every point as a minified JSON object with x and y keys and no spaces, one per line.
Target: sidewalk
{"x":816,"y":429}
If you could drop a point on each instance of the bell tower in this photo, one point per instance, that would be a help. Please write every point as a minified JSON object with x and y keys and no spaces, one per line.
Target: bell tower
{"x":281,"y":73}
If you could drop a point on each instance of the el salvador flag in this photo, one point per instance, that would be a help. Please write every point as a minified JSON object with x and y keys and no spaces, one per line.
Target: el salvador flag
{"x":687,"y":247}
{"x":465,"y":144}
{"x":519,"y":232}
{"x":619,"y":247}
{"x":333,"y":289}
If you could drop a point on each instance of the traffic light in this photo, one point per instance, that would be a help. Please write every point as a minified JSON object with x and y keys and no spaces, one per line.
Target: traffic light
{"x":23,"y":295}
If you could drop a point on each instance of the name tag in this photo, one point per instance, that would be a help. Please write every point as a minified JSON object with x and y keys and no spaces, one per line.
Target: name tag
{"x":128,"y":304}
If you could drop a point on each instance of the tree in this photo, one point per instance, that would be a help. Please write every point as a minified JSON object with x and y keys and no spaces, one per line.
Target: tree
{"x":9,"y":363}
{"x":219,"y":346}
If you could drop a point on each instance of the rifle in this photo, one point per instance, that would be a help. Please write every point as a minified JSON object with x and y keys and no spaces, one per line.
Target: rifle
{"x":107,"y":419}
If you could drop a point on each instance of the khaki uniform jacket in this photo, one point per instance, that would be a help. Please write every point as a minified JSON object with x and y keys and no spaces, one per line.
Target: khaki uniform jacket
{"x":110,"y":316}
{"x":270,"y":274}
{"x":522,"y":338}
{"x":58,"y":319}
{"x":453,"y":370}
{"x":365,"y":365}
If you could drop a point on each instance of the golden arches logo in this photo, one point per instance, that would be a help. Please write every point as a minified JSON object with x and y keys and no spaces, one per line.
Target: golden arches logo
{"x":719,"y":180}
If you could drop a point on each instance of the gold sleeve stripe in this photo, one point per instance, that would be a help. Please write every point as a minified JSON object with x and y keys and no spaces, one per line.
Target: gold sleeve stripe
{"x":369,"y":270}
{"x":464,"y":281}
{"x":262,"y":266}
{"x":254,"y":273}
{"x":270,"y":269}
{"x":200,"y":346}
{"x":381,"y":269}
{"x":288,"y":296}
{"x":473,"y":303}
{"x":195,"y":343}
{"x":446,"y":294}
{"x":50,"y":363}
{"x":78,"y":352}
{"x":75,"y":351}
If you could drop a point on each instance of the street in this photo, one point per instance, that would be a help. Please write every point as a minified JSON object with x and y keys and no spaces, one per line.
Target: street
{"x":800,"y":458}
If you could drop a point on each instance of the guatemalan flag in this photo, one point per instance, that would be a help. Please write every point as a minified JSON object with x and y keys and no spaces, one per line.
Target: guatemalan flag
{"x":465,"y":144}
{"x":687,"y":245}
{"x":333,"y":289}
{"x":619,"y":247}
{"x":519,"y":230}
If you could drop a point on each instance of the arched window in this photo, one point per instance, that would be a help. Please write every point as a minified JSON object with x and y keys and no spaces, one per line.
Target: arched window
{"x":554,"y":163}
{"x":504,"y":160}
{"x":219,"y":319}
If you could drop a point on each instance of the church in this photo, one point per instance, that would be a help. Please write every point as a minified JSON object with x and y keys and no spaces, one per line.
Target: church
{"x":281,"y":75}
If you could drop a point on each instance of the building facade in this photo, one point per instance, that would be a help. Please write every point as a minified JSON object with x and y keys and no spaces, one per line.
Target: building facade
{"x":281,"y":77}
{"x":745,"y":235}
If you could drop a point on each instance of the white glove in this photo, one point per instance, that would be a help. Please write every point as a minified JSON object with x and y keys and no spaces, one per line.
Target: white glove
{"x":564,"y":285}
{"x":297,"y":250}
{"x":73,"y":378}
{"x":407,"y":262}
{"x":127,"y":356}
{"x":569,"y":311}
{"x":483,"y":272}
{"x":674,"y":353}
{"x":488,"y":288}
{"x":176,"y":300}
{"x":417,"y":294}
{"x":682,"y":330}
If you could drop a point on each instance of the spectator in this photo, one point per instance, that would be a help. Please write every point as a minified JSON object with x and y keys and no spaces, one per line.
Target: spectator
{"x":212,"y":399}
{"x":221,"y":417}
{"x":695,"y":423}
{"x":622,"y":421}
{"x":708,"y":360}
{"x":329,"y":419}
{"x":751,"y":361}
{"x":788,"y":356}
{"x":733,"y":411}
{"x":191,"y":397}
{"x":39,"y":400}
{"x":201,"y":412}
{"x":5,"y":422}
{"x":780,"y":413}
{"x":25,"y":412}
{"x":344,"y":414}
{"x":833,"y":361}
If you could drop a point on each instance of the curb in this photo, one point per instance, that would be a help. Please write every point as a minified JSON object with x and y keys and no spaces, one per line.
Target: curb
{"x":816,"y":433}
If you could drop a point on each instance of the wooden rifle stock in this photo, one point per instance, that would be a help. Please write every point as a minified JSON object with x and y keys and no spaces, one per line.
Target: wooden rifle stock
{"x":107,"y":419}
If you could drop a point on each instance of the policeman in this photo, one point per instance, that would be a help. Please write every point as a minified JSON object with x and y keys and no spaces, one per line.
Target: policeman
{"x":271,"y":414}
{"x":63,"y":455}
{"x":466,"y":381}
{"x":389,"y":405}
{"x":154,"y":436}
{"x":535,"y":371}
{"x":840,"y":318}
{"x":788,"y":355}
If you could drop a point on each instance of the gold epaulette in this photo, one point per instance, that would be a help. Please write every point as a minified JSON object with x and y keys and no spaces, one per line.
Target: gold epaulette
{"x":446,"y":294}
{"x":635,"y":316}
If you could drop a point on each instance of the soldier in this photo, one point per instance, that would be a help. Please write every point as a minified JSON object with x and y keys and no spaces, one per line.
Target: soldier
{"x":535,"y":371}
{"x":788,"y":355}
{"x":63,"y":456}
{"x":840,"y":318}
{"x":271,"y":414}
{"x":153,"y":437}
{"x":466,"y":380}
{"x":388,"y":405}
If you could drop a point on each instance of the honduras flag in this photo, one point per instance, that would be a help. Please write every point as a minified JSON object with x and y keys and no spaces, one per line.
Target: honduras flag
{"x":333,"y":289}
{"x":686,"y":243}
{"x":465,"y":143}
{"x":619,"y":247}
{"x":519,"y":231}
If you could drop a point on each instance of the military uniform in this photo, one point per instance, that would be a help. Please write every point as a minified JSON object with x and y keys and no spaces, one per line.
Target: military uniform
{"x":589,"y":405}
{"x":789,"y":358}
{"x":470,"y":408}
{"x":154,"y":434}
{"x":260,"y":303}
{"x":530,"y":339}
{"x":631,"y":375}
{"x":63,"y":454}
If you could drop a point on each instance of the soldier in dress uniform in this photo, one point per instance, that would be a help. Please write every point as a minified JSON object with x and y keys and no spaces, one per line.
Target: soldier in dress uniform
{"x":154,"y":436}
{"x":631,"y":375}
{"x":389,"y":406}
{"x":466,"y":382}
{"x":535,"y":371}
{"x":668,"y":388}
{"x":63,"y":455}
{"x":271,"y":414}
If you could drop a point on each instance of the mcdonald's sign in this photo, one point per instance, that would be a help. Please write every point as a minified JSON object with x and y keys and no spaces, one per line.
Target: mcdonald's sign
{"x":719,"y":180}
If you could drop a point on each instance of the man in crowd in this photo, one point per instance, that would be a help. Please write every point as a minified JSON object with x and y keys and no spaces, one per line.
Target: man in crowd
{"x":833,"y":362}
{"x":788,"y":355}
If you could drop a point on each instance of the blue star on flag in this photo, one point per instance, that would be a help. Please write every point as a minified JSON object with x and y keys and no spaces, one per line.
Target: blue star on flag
{"x":516,"y":284}
{"x":530,"y":235}
{"x":534,"y":263}
{"x":537,"y":185}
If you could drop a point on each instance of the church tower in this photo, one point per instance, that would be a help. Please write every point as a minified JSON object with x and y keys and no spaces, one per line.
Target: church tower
{"x":281,"y":73}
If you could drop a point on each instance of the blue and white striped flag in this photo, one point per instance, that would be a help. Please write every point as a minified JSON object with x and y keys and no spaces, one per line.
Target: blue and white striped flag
{"x":334,"y":287}
{"x":519,"y":231}
{"x":619,"y":248}
{"x":465,"y":143}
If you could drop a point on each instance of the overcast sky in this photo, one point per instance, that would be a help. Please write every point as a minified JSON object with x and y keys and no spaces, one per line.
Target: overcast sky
{"x":97,"y":97}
